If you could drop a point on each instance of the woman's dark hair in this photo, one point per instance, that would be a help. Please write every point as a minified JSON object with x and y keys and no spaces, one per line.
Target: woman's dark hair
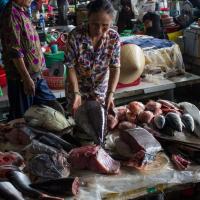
{"x":156,"y":30}
{"x":100,"y":5}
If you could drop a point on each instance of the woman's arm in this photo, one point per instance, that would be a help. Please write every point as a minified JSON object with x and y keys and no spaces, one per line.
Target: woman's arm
{"x":71,"y":61}
{"x":112,"y":84}
{"x":113,"y":79}
{"x":73,"y":80}
{"x":114,"y":73}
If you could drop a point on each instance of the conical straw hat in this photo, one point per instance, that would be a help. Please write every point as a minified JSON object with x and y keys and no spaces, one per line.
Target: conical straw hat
{"x":132,"y":63}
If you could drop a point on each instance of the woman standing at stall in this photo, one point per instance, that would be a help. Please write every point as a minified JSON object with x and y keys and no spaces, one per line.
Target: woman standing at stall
{"x":93,"y":57}
{"x":23,"y":60}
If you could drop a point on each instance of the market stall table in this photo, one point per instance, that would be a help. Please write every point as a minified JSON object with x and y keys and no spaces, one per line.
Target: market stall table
{"x":161,"y":86}
{"x":132,"y":184}
{"x":143,"y":90}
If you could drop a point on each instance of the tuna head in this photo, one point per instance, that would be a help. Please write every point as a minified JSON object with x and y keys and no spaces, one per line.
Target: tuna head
{"x":159,"y":121}
{"x":91,"y":117}
{"x":174,"y":121}
{"x":188,"y":121}
{"x":194,"y":112}
{"x":47,"y":118}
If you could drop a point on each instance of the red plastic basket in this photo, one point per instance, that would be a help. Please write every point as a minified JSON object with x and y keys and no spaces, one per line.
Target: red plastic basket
{"x":56,"y":83}
{"x":3,"y":80}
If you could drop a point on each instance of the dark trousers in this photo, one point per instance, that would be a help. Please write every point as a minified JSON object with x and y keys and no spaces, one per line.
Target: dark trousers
{"x":20,"y":102}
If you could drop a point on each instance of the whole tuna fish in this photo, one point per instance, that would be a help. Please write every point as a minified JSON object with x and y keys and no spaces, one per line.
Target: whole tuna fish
{"x":194,"y":112}
{"x":159,"y":121}
{"x":92,"y":118}
{"x":174,"y":121}
{"x":188,"y":121}
{"x":47,"y":118}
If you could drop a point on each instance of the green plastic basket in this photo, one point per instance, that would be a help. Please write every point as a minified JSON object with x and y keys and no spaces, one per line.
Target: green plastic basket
{"x":1,"y":92}
{"x":50,"y":58}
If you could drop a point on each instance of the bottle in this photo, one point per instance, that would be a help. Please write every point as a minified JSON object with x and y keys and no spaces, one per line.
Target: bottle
{"x":30,"y":12}
{"x":42,"y":22}
{"x":43,"y":9}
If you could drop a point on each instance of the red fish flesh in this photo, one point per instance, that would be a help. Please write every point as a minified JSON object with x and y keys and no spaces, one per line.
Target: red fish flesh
{"x":145,"y":117}
{"x":93,"y":157}
{"x":112,"y":121}
{"x":11,"y":158}
{"x":136,"y":107}
{"x":131,"y":117}
{"x":167,"y":104}
{"x":121,"y":112}
{"x":126,"y":125}
{"x":153,"y":105}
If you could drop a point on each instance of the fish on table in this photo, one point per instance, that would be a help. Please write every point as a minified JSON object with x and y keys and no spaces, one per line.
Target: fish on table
{"x":44,"y":166}
{"x":92,"y":118}
{"x":15,"y":185}
{"x":189,"y":108}
{"x":47,"y":118}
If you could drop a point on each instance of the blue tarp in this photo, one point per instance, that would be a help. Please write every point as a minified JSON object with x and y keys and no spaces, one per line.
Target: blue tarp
{"x":149,"y":42}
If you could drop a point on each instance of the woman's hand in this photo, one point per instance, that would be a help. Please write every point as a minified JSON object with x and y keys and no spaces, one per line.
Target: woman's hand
{"x":109,"y":101}
{"x":77,"y":102}
{"x":29,"y":86}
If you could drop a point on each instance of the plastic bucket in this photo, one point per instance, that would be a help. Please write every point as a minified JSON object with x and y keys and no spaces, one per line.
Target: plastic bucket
{"x":53,"y":58}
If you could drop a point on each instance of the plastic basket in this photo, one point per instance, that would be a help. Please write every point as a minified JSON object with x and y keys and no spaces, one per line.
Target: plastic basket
{"x":2,"y":71}
{"x":56,"y":83}
{"x":3,"y":80}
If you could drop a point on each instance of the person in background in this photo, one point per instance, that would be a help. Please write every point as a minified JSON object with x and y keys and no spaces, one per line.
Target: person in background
{"x":23,"y":60}
{"x":117,"y":6}
{"x":125,"y":16}
{"x":152,"y":25}
{"x":93,"y":57}
{"x":63,"y":8}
